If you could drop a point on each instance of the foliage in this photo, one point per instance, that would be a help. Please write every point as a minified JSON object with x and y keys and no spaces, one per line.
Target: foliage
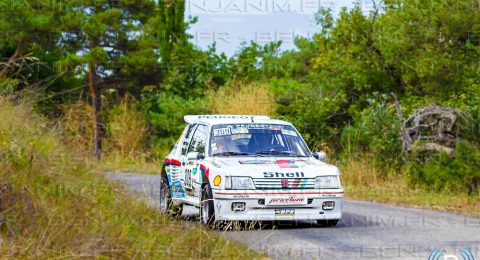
{"x":311,"y":109}
{"x":375,"y":134}
{"x":75,"y":123}
{"x":191,"y":71}
{"x":115,"y":36}
{"x":165,"y":113}
{"x":251,"y":99}
{"x":334,"y":87}
{"x":171,"y":29}
{"x":51,"y":205}
{"x":441,"y":172}
{"x":127,"y":129}
{"x":255,"y":62}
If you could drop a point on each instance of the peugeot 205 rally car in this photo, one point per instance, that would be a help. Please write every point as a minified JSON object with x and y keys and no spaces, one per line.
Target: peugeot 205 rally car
{"x":244,"y":168}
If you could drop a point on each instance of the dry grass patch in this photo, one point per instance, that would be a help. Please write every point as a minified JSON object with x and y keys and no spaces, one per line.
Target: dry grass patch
{"x":363,"y":181}
{"x":53,"y":206}
{"x":238,"y":98}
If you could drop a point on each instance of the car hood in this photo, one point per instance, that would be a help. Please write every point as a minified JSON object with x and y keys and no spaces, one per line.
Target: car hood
{"x":257,"y":167}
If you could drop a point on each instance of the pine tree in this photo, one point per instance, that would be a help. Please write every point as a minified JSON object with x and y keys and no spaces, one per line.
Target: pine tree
{"x":26,"y":26}
{"x":172,"y":27}
{"x":101,"y":39}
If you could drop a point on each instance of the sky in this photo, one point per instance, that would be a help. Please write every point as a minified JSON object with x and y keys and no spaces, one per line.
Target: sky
{"x":229,"y":23}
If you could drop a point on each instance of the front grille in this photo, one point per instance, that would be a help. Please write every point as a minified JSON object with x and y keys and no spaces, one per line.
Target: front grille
{"x":277,"y":184}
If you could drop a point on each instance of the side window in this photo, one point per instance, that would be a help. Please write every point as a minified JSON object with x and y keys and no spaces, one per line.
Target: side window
{"x":199,"y":140}
{"x":186,"y":140}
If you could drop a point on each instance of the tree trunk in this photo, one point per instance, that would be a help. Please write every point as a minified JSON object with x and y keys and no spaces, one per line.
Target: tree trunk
{"x":94,"y":93}
{"x":11,"y":61}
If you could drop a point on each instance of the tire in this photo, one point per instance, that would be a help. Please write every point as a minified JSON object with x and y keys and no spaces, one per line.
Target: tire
{"x":327,"y":222}
{"x":166,"y":204}
{"x":207,"y":211}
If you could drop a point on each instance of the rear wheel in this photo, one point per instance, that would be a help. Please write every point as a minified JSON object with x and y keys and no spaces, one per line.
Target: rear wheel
{"x":207,"y":212}
{"x":166,"y":204}
{"x":327,"y":222}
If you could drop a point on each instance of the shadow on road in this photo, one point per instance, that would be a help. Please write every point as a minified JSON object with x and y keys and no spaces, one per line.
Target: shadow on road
{"x":190,"y":214}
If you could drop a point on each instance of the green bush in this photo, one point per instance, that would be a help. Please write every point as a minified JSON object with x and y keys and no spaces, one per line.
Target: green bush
{"x":376,"y":133}
{"x":165,"y":115}
{"x":442,"y":173}
{"x":316,"y":113}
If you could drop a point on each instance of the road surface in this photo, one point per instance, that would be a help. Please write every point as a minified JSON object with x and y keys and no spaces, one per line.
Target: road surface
{"x":367,"y":231}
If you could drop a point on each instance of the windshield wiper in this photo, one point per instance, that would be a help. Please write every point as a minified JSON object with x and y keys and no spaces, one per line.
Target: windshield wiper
{"x":230,"y":154}
{"x":273,"y":152}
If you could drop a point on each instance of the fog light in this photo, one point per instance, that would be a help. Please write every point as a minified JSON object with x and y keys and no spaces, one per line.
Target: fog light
{"x":238,"y":206}
{"x":328,"y":205}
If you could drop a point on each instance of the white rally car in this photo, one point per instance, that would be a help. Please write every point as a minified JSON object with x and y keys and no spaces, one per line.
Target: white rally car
{"x":246,"y":168}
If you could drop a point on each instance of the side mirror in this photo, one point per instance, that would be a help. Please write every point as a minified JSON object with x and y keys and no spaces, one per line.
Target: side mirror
{"x":193,"y":156}
{"x":322,"y":156}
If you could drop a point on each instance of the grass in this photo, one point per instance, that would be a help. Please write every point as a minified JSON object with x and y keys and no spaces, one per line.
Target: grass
{"x":363,"y":181}
{"x":238,"y":98}
{"x":53,"y":206}
{"x":135,"y":164}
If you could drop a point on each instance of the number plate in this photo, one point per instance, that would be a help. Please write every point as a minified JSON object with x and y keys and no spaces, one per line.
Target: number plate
{"x":284,"y":212}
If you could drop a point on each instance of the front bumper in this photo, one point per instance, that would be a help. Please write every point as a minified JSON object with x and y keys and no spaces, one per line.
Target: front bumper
{"x":255,"y":208}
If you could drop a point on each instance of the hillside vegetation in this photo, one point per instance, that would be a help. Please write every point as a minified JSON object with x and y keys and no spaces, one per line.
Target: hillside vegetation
{"x":52,"y":205}
{"x":120,"y":75}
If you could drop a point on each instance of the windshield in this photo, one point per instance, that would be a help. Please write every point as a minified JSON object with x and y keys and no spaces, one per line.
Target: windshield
{"x":256,"y":139}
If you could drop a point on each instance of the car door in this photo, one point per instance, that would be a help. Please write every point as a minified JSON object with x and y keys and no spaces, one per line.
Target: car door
{"x":197,"y":145}
{"x":181,"y":154}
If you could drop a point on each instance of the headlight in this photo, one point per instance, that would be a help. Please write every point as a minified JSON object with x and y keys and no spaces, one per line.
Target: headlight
{"x":327,"y":182}
{"x":239,"y":183}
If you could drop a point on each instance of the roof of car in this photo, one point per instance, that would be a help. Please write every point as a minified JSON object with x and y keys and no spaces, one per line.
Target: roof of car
{"x":231,"y":119}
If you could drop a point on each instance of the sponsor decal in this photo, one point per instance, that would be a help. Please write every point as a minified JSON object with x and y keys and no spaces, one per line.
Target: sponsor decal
{"x":256,"y":162}
{"x":284,"y":212}
{"x":223,"y":117}
{"x":299,"y":183}
{"x":332,"y":193}
{"x":283,"y":175}
{"x":289,"y":132}
{"x":287,"y":164}
{"x":177,"y":190}
{"x":240,"y":130}
{"x":171,"y":162}
{"x":217,"y":180}
{"x":290,"y":200}
{"x":284,"y":183}
{"x":204,"y":170}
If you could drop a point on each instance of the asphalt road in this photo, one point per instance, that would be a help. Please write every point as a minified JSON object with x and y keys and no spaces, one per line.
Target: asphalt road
{"x":367,"y":231}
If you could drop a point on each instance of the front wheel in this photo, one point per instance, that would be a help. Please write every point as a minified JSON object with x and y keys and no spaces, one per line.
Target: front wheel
{"x":207,"y":212}
{"x":166,"y":204}
{"x":327,"y":222}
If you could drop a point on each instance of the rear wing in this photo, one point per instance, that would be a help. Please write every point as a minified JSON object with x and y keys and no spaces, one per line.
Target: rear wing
{"x":190,"y":119}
